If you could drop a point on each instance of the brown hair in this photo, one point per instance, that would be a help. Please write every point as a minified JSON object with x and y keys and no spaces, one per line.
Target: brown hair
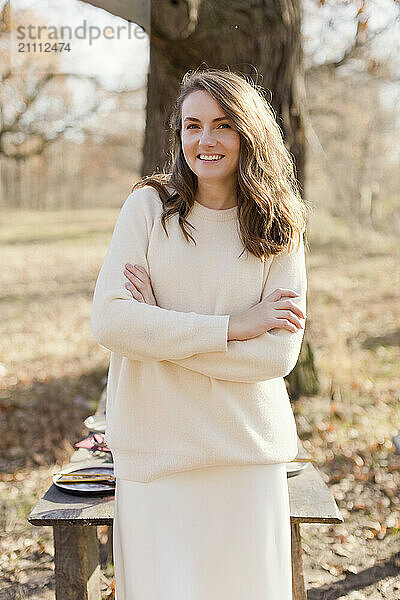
{"x":271,"y":212}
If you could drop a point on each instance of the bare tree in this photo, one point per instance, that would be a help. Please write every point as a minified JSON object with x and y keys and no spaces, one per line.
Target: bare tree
{"x":43,"y":129}
{"x":345,"y":121}
{"x":36,"y":107}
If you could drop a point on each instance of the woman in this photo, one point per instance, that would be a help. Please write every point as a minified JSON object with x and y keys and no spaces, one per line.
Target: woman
{"x":202,"y":329}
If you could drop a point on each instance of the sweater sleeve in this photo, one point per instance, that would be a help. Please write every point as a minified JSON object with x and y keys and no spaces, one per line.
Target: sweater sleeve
{"x":271,"y":354}
{"x":134,"y":329}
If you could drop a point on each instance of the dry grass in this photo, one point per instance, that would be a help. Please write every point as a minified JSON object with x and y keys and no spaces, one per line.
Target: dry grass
{"x":52,"y":372}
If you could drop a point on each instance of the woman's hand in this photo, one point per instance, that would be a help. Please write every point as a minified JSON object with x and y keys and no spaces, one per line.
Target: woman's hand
{"x":276,"y":310}
{"x":139,"y":284}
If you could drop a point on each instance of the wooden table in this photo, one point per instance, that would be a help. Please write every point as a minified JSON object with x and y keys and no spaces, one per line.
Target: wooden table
{"x":74,"y":520}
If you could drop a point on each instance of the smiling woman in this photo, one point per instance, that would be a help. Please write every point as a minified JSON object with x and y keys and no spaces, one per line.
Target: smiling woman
{"x":201,"y":336}
{"x":226,"y":114}
{"x":210,"y":139}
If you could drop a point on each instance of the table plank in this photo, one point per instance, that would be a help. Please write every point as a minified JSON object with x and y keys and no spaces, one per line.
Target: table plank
{"x":311,"y":501}
{"x":59,"y":508}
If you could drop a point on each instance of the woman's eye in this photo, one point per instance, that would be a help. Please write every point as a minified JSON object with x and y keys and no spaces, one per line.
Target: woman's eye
{"x":221,"y":125}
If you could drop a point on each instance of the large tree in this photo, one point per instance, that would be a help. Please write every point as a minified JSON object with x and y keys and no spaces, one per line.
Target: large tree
{"x":257,"y":37}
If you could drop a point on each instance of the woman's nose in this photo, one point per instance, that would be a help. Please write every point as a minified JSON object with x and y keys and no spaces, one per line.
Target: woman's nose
{"x":206,"y":137}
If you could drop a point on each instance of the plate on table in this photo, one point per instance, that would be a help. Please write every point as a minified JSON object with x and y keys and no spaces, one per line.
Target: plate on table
{"x":86,"y":489}
{"x":293,"y":468}
{"x":96,"y":423}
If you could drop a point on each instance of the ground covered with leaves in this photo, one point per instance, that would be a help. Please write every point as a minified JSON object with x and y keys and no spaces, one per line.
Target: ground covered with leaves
{"x":52,"y":373}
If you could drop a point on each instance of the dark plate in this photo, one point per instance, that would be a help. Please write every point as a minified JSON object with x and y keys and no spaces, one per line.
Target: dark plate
{"x":294,"y":468}
{"x":86,"y":489}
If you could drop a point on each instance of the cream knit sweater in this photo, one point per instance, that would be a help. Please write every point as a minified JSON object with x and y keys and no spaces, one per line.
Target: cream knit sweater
{"x":179,"y":395}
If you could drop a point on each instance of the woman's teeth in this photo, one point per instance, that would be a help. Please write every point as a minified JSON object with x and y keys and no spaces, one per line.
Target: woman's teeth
{"x":211,"y":157}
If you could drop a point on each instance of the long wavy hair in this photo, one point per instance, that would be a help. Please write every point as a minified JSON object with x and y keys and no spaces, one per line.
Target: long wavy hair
{"x":271,"y":212}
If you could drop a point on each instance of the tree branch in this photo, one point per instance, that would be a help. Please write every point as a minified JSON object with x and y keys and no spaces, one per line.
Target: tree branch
{"x":134,"y":11}
{"x":28,"y":100}
{"x":353,"y":50}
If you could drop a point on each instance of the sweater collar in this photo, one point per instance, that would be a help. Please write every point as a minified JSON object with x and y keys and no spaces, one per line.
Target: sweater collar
{"x":213,"y":214}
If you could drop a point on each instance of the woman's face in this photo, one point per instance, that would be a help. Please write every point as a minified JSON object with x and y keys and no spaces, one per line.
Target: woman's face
{"x":210,"y":142}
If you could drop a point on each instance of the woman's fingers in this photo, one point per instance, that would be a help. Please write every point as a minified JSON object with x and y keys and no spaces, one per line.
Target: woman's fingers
{"x":286,"y":324}
{"x":138,"y":272}
{"x":140,"y":280}
{"x":289,"y":316}
{"x":135,"y":293}
{"x":292,"y":306}
{"x":134,"y":279}
{"x":135,"y":285}
{"x":279,"y":293}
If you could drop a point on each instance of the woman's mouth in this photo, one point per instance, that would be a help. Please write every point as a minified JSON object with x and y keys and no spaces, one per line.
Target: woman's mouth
{"x":212,"y":158}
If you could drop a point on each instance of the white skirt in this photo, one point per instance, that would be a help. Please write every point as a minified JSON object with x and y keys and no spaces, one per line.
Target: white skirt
{"x":204,"y":534}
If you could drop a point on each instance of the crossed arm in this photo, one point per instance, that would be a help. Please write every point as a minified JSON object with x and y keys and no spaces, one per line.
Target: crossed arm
{"x":135,"y":329}
{"x":272,"y":354}
{"x":140,"y":331}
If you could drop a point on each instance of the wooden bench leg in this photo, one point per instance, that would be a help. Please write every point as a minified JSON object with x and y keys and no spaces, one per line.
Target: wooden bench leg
{"x":299,"y":590}
{"x":76,"y":558}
